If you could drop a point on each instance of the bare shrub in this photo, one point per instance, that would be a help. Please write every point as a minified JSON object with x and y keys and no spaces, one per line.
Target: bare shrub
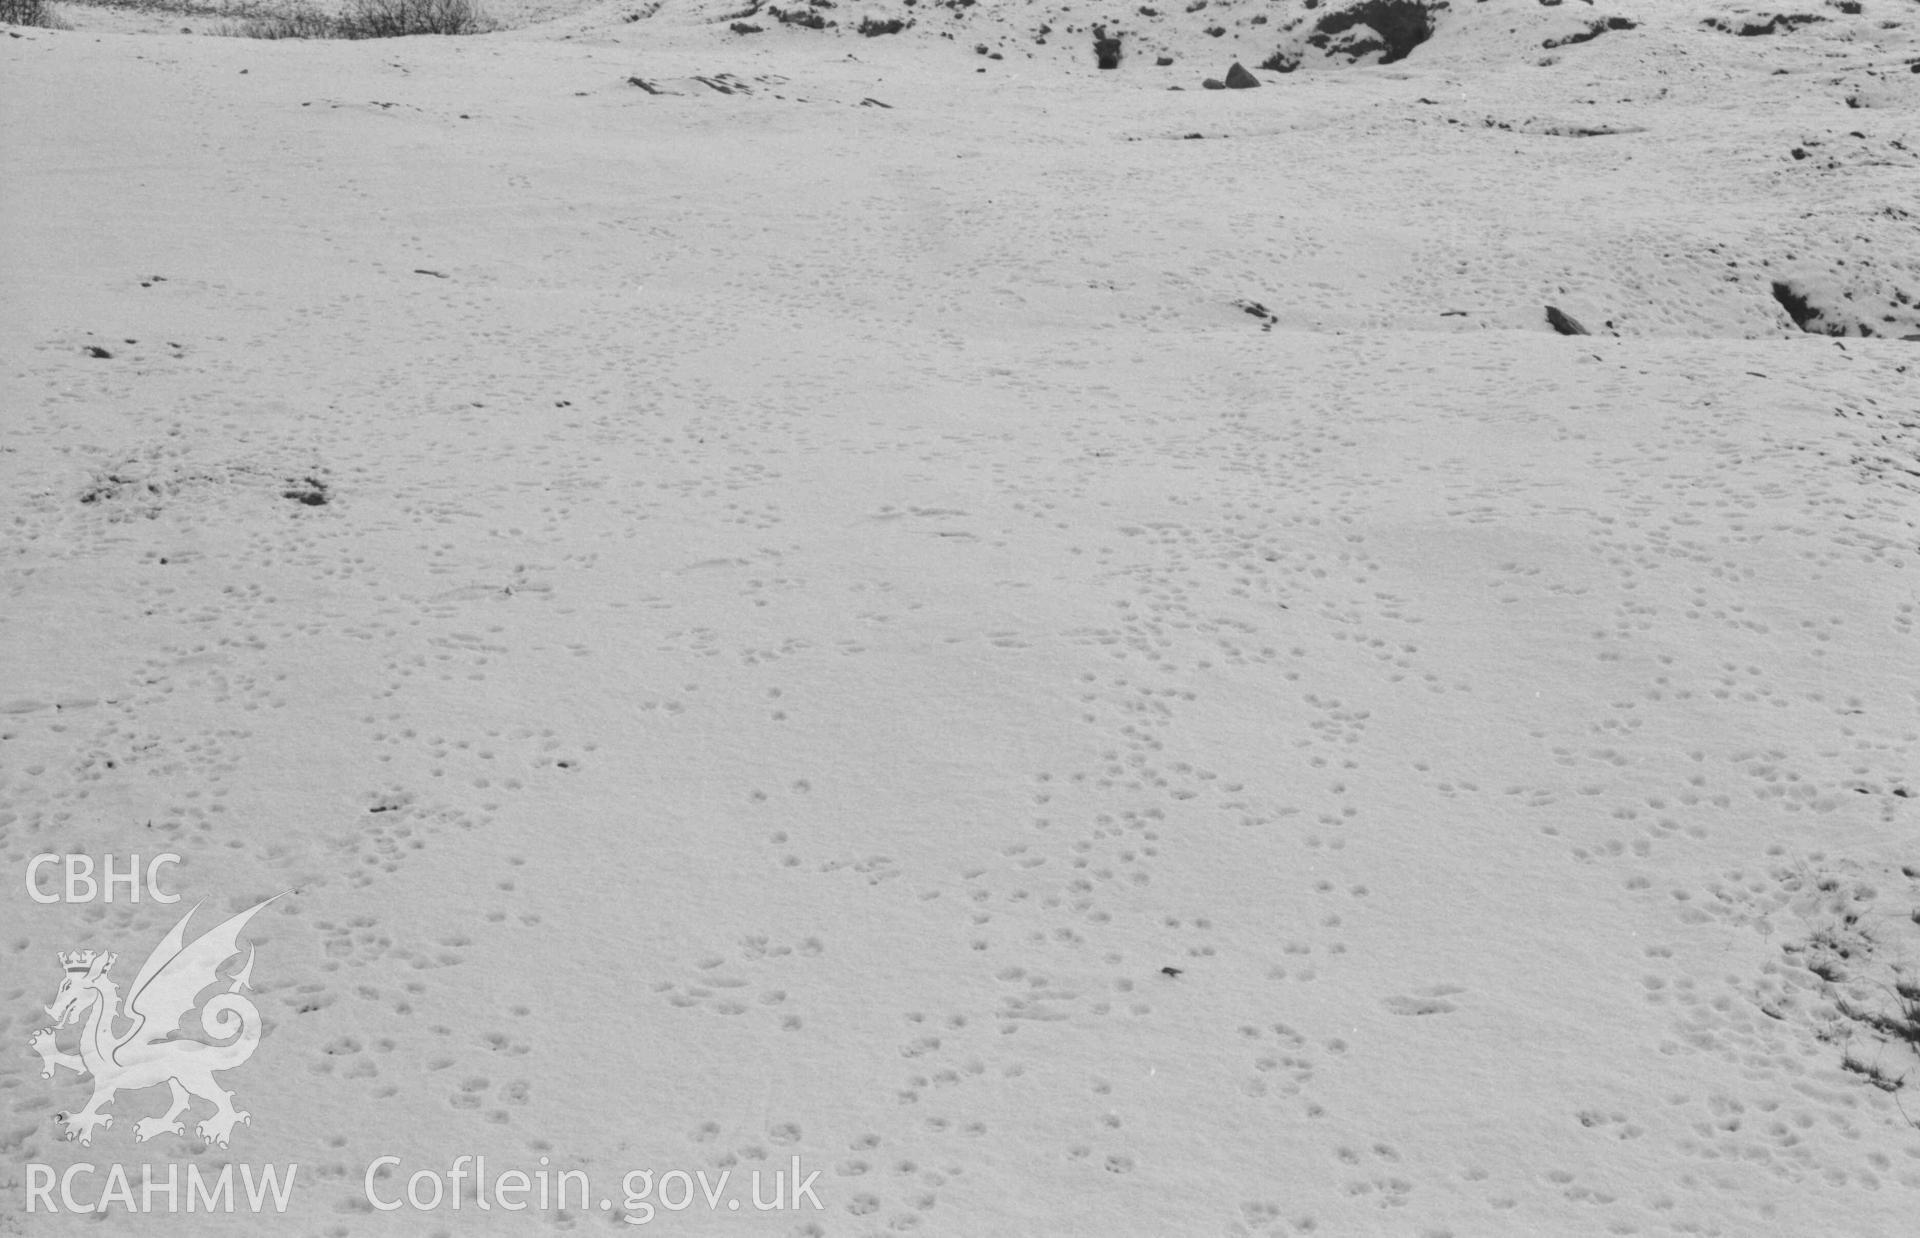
{"x":393,"y":19}
{"x":361,"y":19}
{"x":298,"y":22}
{"x":30,"y":13}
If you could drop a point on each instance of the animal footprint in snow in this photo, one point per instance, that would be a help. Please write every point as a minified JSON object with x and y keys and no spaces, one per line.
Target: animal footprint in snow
{"x":1431,"y":1001}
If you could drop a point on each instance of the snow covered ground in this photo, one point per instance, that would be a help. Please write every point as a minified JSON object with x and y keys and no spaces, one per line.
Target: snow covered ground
{"x":1076,"y":656}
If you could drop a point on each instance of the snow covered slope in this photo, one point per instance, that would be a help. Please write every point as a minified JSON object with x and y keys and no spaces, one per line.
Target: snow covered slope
{"x":1079,"y":657}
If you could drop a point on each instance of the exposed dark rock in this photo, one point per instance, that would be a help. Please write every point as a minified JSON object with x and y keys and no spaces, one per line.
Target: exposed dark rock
{"x":1265,"y":316}
{"x":1239,"y":79}
{"x":1564,"y":323}
{"x":1106,"y":48}
{"x":1800,"y":309}
{"x":1778,"y":23}
{"x":1593,"y":31}
{"x":1397,"y":26}
{"x":310,"y":491}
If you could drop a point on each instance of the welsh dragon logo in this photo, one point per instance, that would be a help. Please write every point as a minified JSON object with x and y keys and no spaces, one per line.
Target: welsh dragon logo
{"x":154,"y":1048}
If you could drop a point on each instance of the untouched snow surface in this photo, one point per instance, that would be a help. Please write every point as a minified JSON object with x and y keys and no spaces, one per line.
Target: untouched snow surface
{"x":1076,"y":656}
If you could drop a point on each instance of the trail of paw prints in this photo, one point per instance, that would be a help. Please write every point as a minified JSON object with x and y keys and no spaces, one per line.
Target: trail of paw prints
{"x":1372,"y":1174}
{"x":490,"y":764}
{"x":1642,"y":810}
{"x":1267,"y":590}
{"x":755,"y":978}
{"x":1283,"y":1064}
{"x":1143,"y":731}
{"x":1303,"y":958}
{"x":396,"y":829}
{"x":1046,"y":915}
{"x":968,"y":1079}
{"x":180,"y":785}
{"x":371,"y":1012}
{"x":891,"y":1181}
{"x":862,"y":1177}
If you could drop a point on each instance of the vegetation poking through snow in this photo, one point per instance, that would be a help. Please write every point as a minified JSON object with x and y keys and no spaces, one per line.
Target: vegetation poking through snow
{"x":30,"y":13}
{"x":806,"y":19}
{"x":364,"y":19}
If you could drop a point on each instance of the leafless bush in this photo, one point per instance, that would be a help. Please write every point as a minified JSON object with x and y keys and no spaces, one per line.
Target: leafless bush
{"x":393,"y":19}
{"x":298,"y":22}
{"x":362,"y":19}
{"x":30,"y":13}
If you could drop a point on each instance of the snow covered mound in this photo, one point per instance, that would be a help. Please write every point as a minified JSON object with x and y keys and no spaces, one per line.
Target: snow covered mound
{"x":1174,"y":37}
{"x":828,"y":586}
